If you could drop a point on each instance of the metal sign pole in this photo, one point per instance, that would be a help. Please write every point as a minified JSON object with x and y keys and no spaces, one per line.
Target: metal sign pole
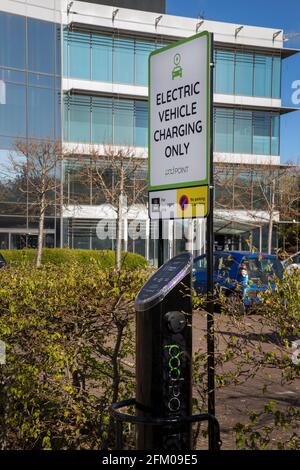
{"x":210,"y":270}
{"x":160,"y":254}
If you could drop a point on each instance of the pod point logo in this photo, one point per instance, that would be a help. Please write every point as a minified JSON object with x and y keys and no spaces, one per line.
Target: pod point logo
{"x":177,"y":70}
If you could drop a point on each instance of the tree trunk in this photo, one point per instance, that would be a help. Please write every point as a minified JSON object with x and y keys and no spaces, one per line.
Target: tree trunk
{"x":120,"y":223}
{"x":270,"y":231}
{"x":41,"y":233}
{"x":271,"y":218}
{"x":119,"y":237}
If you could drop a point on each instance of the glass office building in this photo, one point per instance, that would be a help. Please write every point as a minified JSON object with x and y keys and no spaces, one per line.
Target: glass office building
{"x":78,"y":73}
{"x":30,"y":84}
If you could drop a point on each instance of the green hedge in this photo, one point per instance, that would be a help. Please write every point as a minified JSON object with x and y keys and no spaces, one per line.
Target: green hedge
{"x":66,"y":256}
{"x":69,"y":335}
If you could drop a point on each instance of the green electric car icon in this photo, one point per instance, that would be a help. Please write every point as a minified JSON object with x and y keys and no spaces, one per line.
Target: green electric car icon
{"x":177,"y":70}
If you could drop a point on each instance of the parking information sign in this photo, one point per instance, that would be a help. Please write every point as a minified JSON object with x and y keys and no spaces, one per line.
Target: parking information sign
{"x":179,"y":122}
{"x":179,"y":203}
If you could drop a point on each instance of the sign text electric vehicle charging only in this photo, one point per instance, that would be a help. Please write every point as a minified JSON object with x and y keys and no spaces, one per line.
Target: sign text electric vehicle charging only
{"x":179,"y":127}
{"x":179,"y":114}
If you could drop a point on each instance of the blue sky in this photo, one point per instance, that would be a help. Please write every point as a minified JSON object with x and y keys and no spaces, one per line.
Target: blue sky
{"x":270,"y":13}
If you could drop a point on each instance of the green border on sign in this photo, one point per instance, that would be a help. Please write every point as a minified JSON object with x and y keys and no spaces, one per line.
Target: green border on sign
{"x":208,"y":107}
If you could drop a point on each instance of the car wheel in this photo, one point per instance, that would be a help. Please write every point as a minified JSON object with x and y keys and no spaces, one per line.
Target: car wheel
{"x":235,"y":305}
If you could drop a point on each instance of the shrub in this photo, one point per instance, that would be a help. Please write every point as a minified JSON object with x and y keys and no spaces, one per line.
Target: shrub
{"x":64,"y":256}
{"x":257,"y":351}
{"x":67,"y":331}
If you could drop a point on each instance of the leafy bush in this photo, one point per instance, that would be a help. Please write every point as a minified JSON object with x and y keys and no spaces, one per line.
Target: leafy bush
{"x":67,"y":333}
{"x":64,"y":256}
{"x":281,"y":313}
{"x":258,"y":349}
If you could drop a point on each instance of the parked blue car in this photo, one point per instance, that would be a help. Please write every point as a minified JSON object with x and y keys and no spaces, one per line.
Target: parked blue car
{"x":242,"y":276}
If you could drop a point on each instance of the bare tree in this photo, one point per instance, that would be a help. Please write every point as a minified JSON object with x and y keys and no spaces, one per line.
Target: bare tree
{"x":271,"y":189}
{"x":290,"y":206}
{"x":35,"y":168}
{"x":280,"y":191}
{"x":123,"y":188}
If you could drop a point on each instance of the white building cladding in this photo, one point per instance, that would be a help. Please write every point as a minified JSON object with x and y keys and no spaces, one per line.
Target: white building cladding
{"x":104,"y":74}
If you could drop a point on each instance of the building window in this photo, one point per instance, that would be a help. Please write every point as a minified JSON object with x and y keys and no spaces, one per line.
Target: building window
{"x":41,"y":46}
{"x":12,"y":40}
{"x":118,"y":59}
{"x":141,"y":124}
{"x":79,"y":56}
{"x":243,"y":132}
{"x":142,"y":52}
{"x":262,"y":75}
{"x":223,"y":130}
{"x":123,"y":68}
{"x":123,"y":122}
{"x":276,"y":78}
{"x":107,"y":58}
{"x":40,"y":113}
{"x":261,"y":133}
{"x":247,"y":73}
{"x":100,"y":120}
{"x":275,"y":133}
{"x":244,"y":74}
{"x":224,"y":72}
{"x":82,"y":185}
{"x":248,"y":132}
{"x":80,"y":119}
{"x":13,"y":110}
{"x":101,"y":58}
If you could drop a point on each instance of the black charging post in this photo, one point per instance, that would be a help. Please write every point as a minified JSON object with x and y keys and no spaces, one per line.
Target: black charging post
{"x":163,"y":399}
{"x":164,"y":350}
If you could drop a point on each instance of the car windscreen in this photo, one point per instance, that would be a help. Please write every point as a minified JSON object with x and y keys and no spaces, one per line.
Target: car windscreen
{"x":221,"y":263}
{"x":263,"y":269}
{"x":224,"y":263}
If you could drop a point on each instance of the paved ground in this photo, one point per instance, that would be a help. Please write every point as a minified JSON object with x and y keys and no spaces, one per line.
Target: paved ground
{"x":233,"y":400}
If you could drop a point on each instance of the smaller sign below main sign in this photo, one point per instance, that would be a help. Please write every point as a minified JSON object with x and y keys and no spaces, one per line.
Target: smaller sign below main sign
{"x":179,"y":203}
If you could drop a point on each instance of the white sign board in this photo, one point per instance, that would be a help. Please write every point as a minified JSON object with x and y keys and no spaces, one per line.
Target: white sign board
{"x":179,"y":121}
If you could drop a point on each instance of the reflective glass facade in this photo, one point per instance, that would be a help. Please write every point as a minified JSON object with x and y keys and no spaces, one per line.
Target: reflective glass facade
{"x":120,"y":59}
{"x":245,"y":131}
{"x":108,"y":58}
{"x":247,"y":73}
{"x":101,"y":120}
{"x":30,"y":79}
{"x":30,"y":101}
{"x":104,"y":120}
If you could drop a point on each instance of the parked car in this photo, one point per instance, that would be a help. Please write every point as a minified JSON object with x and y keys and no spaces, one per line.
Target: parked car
{"x":293,"y":262}
{"x":242,"y":276}
{"x":3,"y":263}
